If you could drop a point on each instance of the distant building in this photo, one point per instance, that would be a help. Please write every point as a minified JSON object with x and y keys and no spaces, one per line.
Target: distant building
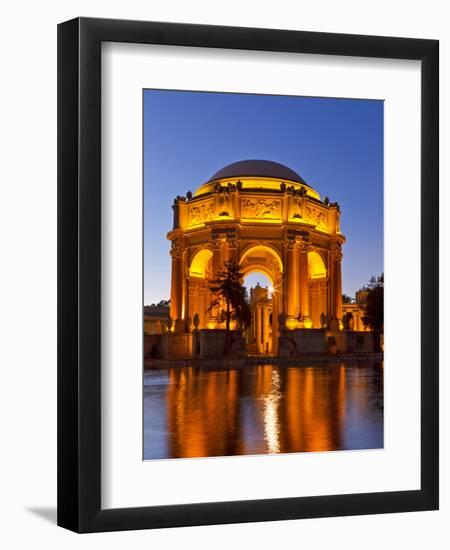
{"x":155,"y":319}
{"x":259,"y":334}
{"x":352,"y":315}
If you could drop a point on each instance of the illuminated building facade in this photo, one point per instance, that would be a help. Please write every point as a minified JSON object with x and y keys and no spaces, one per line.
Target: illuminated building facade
{"x":264,"y":217}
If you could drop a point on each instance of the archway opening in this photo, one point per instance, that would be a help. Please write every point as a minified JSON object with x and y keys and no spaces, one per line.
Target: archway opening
{"x":316,"y":266}
{"x":317,"y":273}
{"x":200,"y":263}
{"x":260,"y":294}
{"x":263,"y":255}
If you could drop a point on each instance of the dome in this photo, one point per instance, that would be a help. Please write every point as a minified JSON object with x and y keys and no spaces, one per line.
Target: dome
{"x":259,"y":168}
{"x":257,"y":174}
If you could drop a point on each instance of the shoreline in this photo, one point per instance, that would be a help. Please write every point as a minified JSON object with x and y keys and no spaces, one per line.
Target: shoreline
{"x":239,"y":362}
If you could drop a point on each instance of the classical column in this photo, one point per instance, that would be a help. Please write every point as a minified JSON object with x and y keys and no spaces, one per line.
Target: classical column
{"x":176,"y":293}
{"x":202,"y":291}
{"x":277,"y":297}
{"x":217,"y":267}
{"x":252,"y":326}
{"x":265,"y":325}
{"x":292,"y":284}
{"x":330,"y":290}
{"x":193,"y":299}
{"x":232,"y":246}
{"x":305,"y":319}
{"x":263,"y":328}
{"x":217,"y":259}
{"x":336,"y":288}
{"x":314,"y":304}
{"x":258,"y":326}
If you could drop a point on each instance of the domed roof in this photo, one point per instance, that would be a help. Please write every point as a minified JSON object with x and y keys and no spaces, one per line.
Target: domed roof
{"x":257,"y":175}
{"x":258,"y":168}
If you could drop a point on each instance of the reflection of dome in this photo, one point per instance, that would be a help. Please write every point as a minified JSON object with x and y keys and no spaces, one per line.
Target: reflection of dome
{"x":257,"y":174}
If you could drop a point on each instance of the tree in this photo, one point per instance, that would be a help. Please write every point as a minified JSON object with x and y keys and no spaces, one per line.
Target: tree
{"x":374,"y":307}
{"x":346,"y":299}
{"x":230,"y":293}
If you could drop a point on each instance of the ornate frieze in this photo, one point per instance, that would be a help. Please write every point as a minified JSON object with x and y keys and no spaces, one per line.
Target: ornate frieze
{"x":303,"y":210}
{"x":261,"y":209}
{"x":201,"y":213}
{"x":316,"y":216}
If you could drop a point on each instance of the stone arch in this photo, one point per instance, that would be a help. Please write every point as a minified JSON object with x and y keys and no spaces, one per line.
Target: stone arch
{"x":199,"y":263}
{"x":267,"y":328}
{"x":258,"y":250}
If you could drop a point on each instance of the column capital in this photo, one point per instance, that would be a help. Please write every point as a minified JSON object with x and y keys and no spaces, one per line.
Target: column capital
{"x":290,"y":243}
{"x":176,"y":249}
{"x":304,"y":246}
{"x":216,"y":244}
{"x":336,"y":252}
{"x":233,"y":242}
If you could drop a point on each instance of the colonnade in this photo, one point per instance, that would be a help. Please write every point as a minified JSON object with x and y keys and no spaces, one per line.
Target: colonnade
{"x":190,"y":295}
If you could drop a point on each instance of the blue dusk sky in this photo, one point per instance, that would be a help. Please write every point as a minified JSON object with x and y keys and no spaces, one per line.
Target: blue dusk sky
{"x":336,"y":145}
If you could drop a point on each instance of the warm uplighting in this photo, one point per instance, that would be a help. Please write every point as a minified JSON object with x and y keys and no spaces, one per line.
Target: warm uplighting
{"x":272,"y":184}
{"x":292,"y":323}
{"x":307,"y":323}
{"x":316,"y":266}
{"x":199,"y":263}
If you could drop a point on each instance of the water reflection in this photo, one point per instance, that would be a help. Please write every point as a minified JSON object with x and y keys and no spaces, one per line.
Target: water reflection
{"x":195,"y":412}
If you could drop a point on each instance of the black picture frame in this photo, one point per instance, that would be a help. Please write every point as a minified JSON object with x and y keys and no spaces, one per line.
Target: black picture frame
{"x":79,"y":274}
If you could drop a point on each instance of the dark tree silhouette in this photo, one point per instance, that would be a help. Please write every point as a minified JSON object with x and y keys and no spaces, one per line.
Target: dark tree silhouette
{"x":346,"y":299}
{"x":230,"y":293}
{"x":374,"y":307}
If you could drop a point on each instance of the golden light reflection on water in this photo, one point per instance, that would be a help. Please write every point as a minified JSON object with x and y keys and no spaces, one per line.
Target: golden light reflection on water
{"x":265,"y":409}
{"x":271,"y":420}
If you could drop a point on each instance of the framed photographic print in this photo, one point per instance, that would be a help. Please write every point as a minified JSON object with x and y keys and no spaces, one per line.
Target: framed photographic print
{"x":248,"y":275}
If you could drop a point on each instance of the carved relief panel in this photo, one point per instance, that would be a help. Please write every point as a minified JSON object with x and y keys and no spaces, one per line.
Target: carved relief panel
{"x":201,"y":213}
{"x":316,"y":216}
{"x":302,"y":210}
{"x":261,"y":209}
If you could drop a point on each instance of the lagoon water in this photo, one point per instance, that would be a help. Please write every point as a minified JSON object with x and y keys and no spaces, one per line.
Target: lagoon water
{"x":259,"y":409}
